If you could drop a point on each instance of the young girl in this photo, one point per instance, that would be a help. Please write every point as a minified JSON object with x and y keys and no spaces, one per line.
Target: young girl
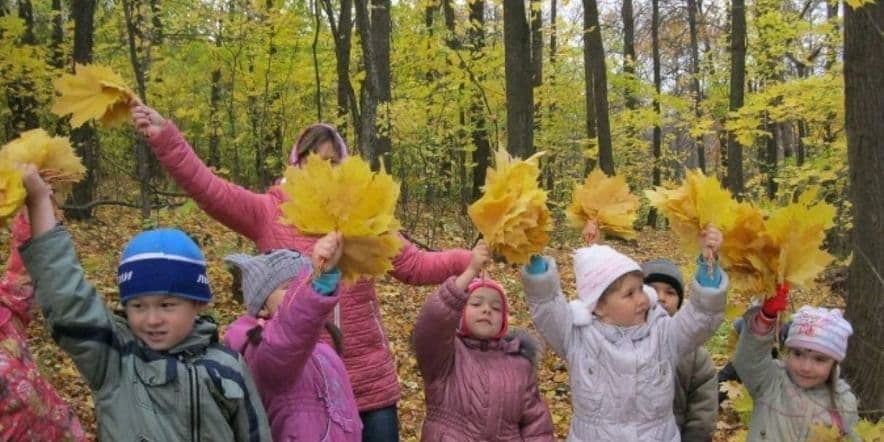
{"x":620,"y":345}
{"x":303,"y":383}
{"x":791,"y":397}
{"x":30,"y":408}
{"x":480,"y":382}
{"x":256,"y":216}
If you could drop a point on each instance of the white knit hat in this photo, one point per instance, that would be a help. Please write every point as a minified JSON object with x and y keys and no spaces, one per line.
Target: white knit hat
{"x":597,"y":267}
{"x":820,"y":329}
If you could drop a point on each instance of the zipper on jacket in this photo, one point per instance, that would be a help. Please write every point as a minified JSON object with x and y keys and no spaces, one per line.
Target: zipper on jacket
{"x":194,"y":402}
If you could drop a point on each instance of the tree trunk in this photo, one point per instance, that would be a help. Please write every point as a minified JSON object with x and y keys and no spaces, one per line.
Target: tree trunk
{"x":831,"y":41}
{"x":589,"y":93}
{"x":770,"y":161}
{"x":142,"y":153}
{"x":20,"y":93}
{"x":380,"y":40}
{"x":84,"y":138}
{"x":738,"y":76}
{"x":56,"y":48}
{"x":536,"y":43}
{"x":627,"y":15}
{"x":214,"y":107}
{"x":479,"y":127}
{"x":695,"y":79}
{"x":656,"y":143}
{"x":802,"y":132}
{"x":342,"y":30}
{"x":369,"y":93}
{"x":519,"y":93}
{"x":593,"y":38}
{"x":864,"y":99}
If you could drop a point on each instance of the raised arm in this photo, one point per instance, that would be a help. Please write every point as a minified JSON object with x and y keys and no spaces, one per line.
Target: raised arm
{"x":752,"y":360}
{"x":420,"y":267}
{"x":238,"y":208}
{"x":79,"y":321}
{"x":436,"y":325}
{"x":290,"y":337}
{"x":550,"y":311}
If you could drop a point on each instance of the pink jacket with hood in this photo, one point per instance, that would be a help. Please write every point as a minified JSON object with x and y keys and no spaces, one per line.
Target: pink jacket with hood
{"x":257,"y":216}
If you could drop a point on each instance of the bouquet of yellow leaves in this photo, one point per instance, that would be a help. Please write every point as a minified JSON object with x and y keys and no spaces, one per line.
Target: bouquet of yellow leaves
{"x":54,"y":157}
{"x":698,"y":203}
{"x":12,"y":191}
{"x":606,"y":200}
{"x":512,"y":214}
{"x":747,"y":253}
{"x":93,"y":91}
{"x":349,"y":199}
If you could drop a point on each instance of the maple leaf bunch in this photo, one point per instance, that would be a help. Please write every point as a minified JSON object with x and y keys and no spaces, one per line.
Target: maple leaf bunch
{"x":512,"y":214}
{"x":54,"y":157}
{"x":350,"y":199}
{"x":607,"y":201}
{"x":12,"y":191}
{"x":93,"y":91}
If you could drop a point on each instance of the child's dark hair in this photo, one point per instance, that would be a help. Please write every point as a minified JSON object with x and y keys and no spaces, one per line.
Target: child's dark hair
{"x":619,"y":282}
{"x":254,"y":337}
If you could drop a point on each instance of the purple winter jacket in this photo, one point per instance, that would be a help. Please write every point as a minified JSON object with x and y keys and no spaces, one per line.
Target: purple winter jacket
{"x":476,"y":389}
{"x":302,"y":381}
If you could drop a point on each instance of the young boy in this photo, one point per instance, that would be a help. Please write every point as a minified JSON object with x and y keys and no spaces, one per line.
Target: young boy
{"x":696,"y":393}
{"x":159,"y":374}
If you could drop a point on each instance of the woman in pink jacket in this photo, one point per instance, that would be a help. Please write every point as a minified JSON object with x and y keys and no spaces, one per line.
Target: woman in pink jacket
{"x":480,"y":382}
{"x":303,"y":383}
{"x":256,"y":216}
{"x":30,"y":408}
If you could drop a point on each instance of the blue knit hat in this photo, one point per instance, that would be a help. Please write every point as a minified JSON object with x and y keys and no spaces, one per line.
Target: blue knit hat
{"x":163,"y":261}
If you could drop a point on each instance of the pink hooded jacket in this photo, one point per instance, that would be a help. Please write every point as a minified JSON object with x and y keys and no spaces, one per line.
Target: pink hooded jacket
{"x":257,"y":216}
{"x":476,"y":389}
{"x":30,"y":408}
{"x":303,"y":382}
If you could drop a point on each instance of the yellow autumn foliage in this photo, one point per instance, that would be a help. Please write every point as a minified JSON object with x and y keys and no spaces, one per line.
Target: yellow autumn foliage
{"x":698,"y":203}
{"x":350,"y":199}
{"x":93,"y":91}
{"x":54,"y":157}
{"x":512,"y":214}
{"x":798,"y":231}
{"x":606,"y":200}
{"x":748,"y":254}
{"x":12,"y":191}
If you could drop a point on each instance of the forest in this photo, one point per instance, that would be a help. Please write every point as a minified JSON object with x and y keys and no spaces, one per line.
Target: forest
{"x":774,"y":98}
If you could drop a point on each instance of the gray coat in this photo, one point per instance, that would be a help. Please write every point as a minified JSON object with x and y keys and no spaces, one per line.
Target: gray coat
{"x":782,"y":410}
{"x":696,"y":396}
{"x":622,"y":379}
{"x":198,"y":390}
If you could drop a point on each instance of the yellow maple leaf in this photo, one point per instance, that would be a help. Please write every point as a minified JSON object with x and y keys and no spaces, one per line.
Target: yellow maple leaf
{"x":798,"y":231}
{"x":606,"y":200}
{"x":350,"y":199}
{"x":870,"y":432}
{"x":512,"y":214}
{"x":820,"y":432}
{"x":54,"y":157}
{"x":12,"y":192}
{"x":94,"y":91}
{"x":748,"y":254}
{"x":698,"y":203}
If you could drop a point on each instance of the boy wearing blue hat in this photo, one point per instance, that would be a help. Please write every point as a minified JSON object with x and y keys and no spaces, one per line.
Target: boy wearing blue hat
{"x":159,"y":374}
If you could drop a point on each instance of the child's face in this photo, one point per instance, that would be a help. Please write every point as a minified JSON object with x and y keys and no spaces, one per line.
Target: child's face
{"x":626,"y":306}
{"x":273,"y":301}
{"x":162,"y":321}
{"x":666,"y":296}
{"x":808,"y":368}
{"x":484,"y":313}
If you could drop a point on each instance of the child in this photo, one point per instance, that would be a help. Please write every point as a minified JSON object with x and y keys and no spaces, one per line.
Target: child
{"x":791,"y":397}
{"x":695,"y":406}
{"x":303,"y":382}
{"x":159,"y":374}
{"x":480,"y":382}
{"x":620,"y":345}
{"x":30,"y":408}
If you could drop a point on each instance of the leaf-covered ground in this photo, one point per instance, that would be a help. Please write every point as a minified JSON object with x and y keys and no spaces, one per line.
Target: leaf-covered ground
{"x":101,"y":240}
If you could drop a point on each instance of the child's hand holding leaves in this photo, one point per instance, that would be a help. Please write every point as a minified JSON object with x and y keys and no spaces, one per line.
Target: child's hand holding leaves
{"x":147,"y":120}
{"x":481,"y":257}
{"x":327,"y":251}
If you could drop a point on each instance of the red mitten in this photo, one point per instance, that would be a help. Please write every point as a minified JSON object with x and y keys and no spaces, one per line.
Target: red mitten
{"x":773,"y":306}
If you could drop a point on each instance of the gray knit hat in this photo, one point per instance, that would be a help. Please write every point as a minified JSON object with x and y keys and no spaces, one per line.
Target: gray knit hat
{"x":263,"y":274}
{"x":664,"y":270}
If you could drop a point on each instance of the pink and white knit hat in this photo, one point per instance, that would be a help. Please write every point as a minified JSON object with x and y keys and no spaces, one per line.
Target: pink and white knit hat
{"x":820,"y":329}
{"x":595,"y":268}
